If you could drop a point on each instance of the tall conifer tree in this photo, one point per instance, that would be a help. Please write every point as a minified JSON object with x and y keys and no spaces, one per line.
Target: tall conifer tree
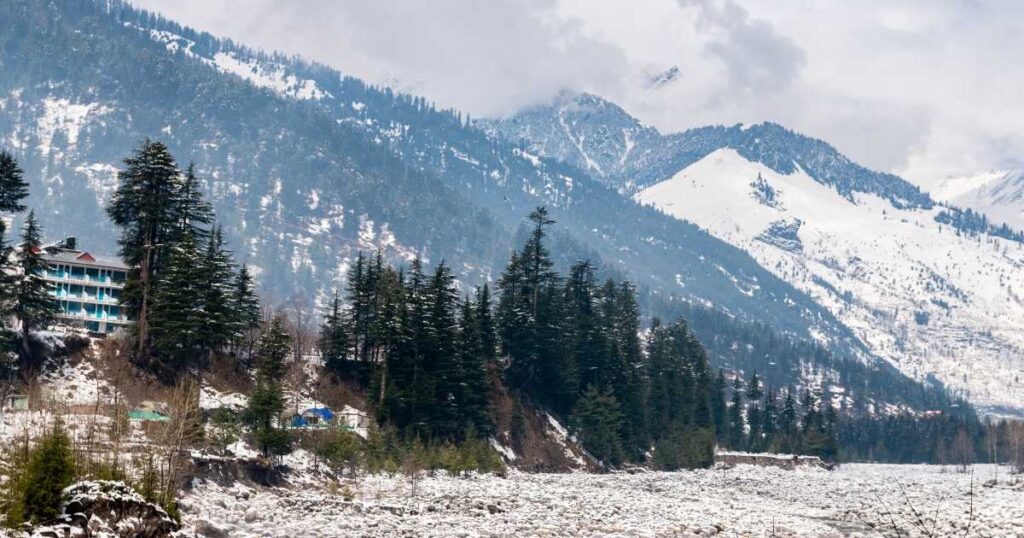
{"x":217,"y":273}
{"x":13,"y":187}
{"x":144,"y":208}
{"x":178,"y":319}
{"x":34,"y":306}
{"x":334,"y":341}
{"x":267,"y":401}
{"x":246,"y":306}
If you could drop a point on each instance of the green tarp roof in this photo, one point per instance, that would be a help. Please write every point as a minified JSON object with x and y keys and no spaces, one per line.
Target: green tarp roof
{"x":147,"y":415}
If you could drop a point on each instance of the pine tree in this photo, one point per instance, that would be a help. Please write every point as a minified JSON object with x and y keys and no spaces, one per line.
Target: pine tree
{"x":719,"y":408}
{"x":597,"y":423}
{"x":623,"y":326}
{"x":334,"y":342}
{"x":754,"y":389}
{"x":193,"y":213}
{"x":697,"y":376}
{"x":530,"y":319}
{"x":587,"y":363}
{"x":13,"y":187}
{"x":485,"y":321}
{"x":359,"y":297}
{"x":246,"y":306}
{"x":770,"y":417}
{"x":216,"y":282}
{"x":515,"y":326}
{"x":473,"y":357}
{"x":789,"y":414}
{"x":34,"y":306}
{"x":267,"y":402}
{"x":407,"y":395}
{"x":50,"y":469}
{"x":8,"y":288}
{"x":664,"y":396}
{"x":144,"y":207}
{"x":178,"y":318}
{"x":737,"y":426}
{"x":442,"y":360}
{"x":537,"y":261}
{"x":754,"y":421}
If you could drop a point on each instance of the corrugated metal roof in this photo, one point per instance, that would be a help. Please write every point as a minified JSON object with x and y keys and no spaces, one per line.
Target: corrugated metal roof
{"x":81,"y":257}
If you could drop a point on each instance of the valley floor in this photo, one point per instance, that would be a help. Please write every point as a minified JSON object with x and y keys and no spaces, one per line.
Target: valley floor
{"x":854,"y":500}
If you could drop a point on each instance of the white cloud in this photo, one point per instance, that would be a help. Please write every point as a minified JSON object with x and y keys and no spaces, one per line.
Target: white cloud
{"x":921,"y":88}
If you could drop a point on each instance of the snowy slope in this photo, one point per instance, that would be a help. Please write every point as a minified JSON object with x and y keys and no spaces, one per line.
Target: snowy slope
{"x":920,"y":295}
{"x":999,"y":195}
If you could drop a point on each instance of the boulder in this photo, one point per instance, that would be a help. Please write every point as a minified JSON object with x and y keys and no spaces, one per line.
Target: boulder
{"x":109,"y":509}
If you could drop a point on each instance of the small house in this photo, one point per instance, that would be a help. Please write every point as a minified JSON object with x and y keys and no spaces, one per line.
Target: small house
{"x":14,"y":402}
{"x":353,"y":419}
{"x":314,"y":417}
{"x":149,"y":411}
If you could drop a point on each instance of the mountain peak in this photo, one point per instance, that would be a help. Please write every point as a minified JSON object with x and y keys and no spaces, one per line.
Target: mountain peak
{"x":580,"y":128}
{"x":598,"y":135}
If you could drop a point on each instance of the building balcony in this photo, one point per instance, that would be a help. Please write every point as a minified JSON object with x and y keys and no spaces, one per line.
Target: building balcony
{"x":83,"y":316}
{"x":79,"y":298}
{"x":66,"y":278}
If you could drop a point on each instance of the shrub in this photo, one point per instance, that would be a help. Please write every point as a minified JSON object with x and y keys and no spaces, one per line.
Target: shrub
{"x":275,"y":442}
{"x":225,"y":428}
{"x":50,"y":468}
{"x":340,"y":448}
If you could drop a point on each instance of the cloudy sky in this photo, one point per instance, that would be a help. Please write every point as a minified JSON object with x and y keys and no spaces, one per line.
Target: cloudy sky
{"x":926,"y":89}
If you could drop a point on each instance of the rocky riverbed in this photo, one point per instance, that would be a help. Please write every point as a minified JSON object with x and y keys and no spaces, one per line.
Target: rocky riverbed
{"x":855,"y":500}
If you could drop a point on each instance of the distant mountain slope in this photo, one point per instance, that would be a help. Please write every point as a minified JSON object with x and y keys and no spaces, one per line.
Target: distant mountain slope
{"x":999,"y":195}
{"x":928,"y":299}
{"x":932,"y":288}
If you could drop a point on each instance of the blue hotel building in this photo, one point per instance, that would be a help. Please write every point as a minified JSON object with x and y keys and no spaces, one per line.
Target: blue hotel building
{"x":88,"y":287}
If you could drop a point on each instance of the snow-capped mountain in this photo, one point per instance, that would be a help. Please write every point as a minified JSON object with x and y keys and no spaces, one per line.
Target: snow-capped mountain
{"x":999,"y":195}
{"x":929,"y":299}
{"x":924,"y":285}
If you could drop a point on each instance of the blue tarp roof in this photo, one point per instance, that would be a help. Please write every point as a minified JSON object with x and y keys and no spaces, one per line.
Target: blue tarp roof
{"x":325,"y":414}
{"x":322,"y":412}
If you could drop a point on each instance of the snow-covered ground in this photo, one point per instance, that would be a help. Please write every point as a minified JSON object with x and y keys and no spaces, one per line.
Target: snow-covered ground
{"x":742,"y":501}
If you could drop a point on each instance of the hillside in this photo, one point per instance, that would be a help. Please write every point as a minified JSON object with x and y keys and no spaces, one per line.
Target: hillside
{"x":306,"y":166}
